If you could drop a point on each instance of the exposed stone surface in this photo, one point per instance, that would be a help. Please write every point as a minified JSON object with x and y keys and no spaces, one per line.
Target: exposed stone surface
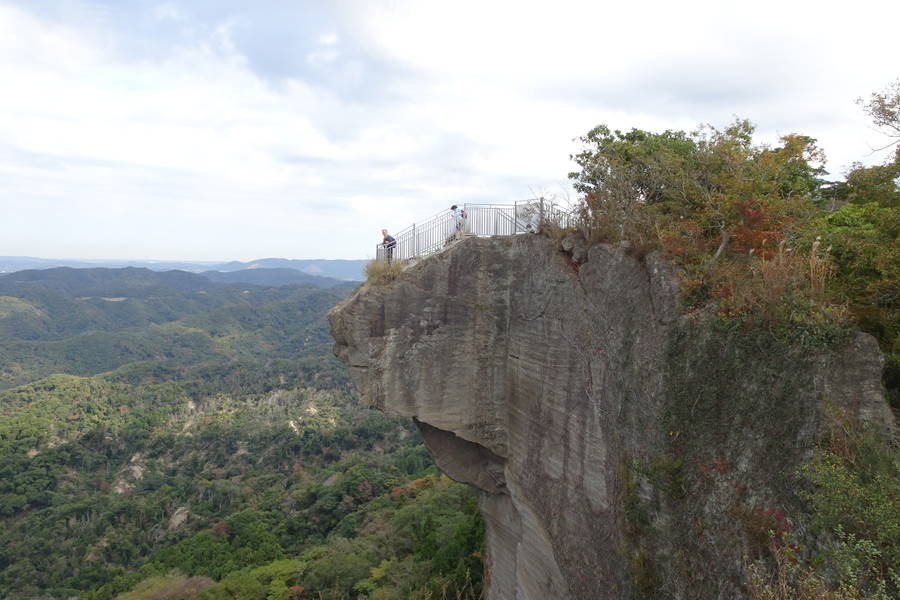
{"x":178,"y":518}
{"x":619,"y":447}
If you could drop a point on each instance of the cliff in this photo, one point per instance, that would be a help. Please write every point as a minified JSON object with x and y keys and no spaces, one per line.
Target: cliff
{"x":621,"y":448}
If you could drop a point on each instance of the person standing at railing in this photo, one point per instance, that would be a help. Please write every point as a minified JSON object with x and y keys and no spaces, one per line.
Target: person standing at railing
{"x":388,"y":244}
{"x":459,"y":220}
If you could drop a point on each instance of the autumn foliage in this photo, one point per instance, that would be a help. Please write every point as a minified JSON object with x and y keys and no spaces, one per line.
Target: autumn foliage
{"x":734,"y":216}
{"x":761,"y":240}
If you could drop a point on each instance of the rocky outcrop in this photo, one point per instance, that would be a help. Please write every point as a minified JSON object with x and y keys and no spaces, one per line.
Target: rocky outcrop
{"x":620,"y":447}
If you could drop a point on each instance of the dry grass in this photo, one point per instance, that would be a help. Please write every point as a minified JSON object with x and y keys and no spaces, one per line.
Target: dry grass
{"x":786,"y":585}
{"x":381,"y":272}
{"x":788,"y":580}
{"x":820,"y":270}
{"x":837,"y":432}
{"x":554,"y":231}
{"x":773,"y":287}
{"x":610,"y":221}
{"x":761,"y":283}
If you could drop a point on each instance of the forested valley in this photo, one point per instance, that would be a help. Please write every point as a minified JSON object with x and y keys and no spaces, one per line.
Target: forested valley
{"x":166,"y":436}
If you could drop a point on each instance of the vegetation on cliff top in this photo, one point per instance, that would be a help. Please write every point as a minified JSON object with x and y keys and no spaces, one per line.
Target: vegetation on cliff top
{"x":381,"y":272}
{"x":755,"y":229}
{"x":785,"y":259}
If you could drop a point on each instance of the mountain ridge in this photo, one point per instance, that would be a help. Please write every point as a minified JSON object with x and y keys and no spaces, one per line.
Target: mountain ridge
{"x":342,"y":269}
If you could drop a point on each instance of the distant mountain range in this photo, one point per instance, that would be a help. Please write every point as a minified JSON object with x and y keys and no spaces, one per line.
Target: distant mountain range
{"x":347,"y":270}
{"x":103,"y":282}
{"x":272,"y":277}
{"x":342,"y":270}
{"x":129,"y":281}
{"x":9,"y":264}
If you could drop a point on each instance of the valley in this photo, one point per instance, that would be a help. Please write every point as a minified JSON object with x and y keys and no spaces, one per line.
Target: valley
{"x":162,"y":435}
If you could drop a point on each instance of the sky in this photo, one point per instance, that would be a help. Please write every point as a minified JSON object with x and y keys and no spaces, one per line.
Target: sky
{"x":234,"y":130}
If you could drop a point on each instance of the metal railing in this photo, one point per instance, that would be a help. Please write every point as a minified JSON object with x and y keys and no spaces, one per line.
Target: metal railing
{"x":482,"y":220}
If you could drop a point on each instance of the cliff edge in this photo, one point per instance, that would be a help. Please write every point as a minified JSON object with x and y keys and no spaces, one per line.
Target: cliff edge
{"x":621,"y":448}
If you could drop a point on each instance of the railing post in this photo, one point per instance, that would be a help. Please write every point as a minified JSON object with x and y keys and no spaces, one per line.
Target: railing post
{"x":415,"y":242}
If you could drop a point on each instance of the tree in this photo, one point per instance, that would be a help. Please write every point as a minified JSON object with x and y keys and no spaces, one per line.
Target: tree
{"x":884,"y":109}
{"x":876,"y":184}
{"x":691,"y":192}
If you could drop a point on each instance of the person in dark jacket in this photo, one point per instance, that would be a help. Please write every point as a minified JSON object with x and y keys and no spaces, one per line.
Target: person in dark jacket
{"x":388,"y":244}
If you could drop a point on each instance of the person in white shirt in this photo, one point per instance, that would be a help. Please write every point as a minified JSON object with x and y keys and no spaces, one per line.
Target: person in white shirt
{"x":459,"y":220}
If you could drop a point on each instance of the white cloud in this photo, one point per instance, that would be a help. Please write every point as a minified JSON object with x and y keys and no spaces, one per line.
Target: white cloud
{"x":184,"y":148}
{"x":168,"y":12}
{"x":322,"y":57}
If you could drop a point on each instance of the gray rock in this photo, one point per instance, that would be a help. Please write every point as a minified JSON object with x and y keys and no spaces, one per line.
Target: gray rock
{"x":619,"y":447}
{"x":575,"y":245}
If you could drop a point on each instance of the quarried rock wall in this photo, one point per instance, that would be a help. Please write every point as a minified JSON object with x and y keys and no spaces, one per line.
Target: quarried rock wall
{"x":619,"y":447}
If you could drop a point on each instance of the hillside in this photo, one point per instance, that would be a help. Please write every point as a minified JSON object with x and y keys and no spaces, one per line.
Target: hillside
{"x":347,"y":270}
{"x":198,"y":436}
{"x":89,"y":321}
{"x":272,"y":277}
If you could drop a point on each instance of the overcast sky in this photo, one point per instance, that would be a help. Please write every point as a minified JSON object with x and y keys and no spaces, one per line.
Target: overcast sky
{"x":238,"y":129}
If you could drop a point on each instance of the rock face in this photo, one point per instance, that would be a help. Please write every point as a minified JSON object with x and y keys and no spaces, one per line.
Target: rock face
{"x":621,"y":449}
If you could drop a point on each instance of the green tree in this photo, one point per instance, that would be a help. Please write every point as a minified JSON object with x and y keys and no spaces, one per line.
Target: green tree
{"x":875,"y":184}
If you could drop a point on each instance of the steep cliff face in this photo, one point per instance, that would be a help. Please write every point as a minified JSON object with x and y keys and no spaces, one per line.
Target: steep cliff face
{"x":621,"y":449}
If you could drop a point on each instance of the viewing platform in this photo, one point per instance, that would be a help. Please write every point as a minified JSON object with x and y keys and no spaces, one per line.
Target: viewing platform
{"x":482,"y":220}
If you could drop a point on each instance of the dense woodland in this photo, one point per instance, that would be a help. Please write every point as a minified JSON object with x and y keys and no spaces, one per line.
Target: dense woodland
{"x":166,"y":436}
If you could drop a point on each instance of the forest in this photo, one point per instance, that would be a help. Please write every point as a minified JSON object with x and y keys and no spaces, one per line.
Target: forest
{"x":164,"y":436}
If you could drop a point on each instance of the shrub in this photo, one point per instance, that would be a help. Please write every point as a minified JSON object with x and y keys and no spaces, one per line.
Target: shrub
{"x":737,"y":219}
{"x":866,"y":254}
{"x":379,"y":272}
{"x":855,"y":502}
{"x":857,"y":492}
{"x":753,"y":228}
